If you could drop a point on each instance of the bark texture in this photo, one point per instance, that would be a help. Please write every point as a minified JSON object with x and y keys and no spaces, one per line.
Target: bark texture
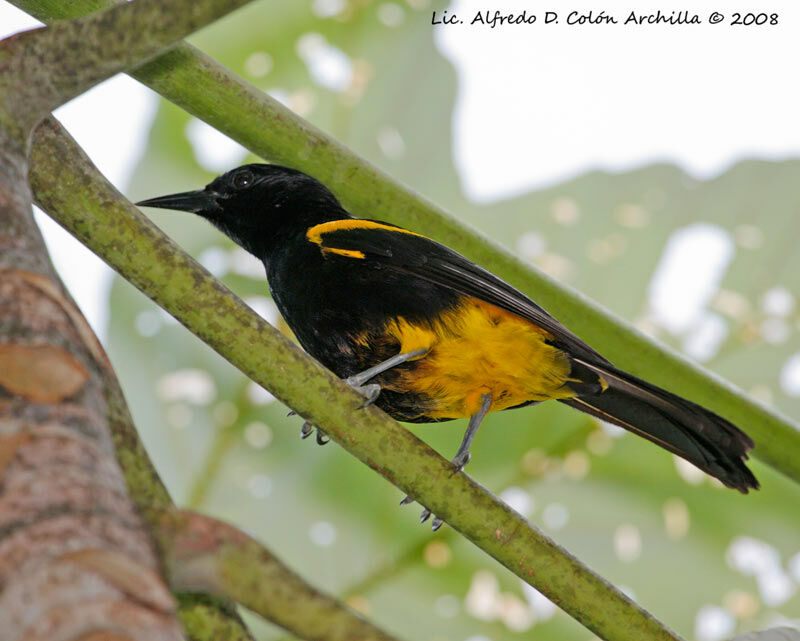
{"x":75,"y":560}
{"x":206,"y":555}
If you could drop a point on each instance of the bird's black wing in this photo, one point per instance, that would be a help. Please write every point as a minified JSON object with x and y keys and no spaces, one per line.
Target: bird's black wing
{"x":705,"y":439}
{"x":405,"y":252}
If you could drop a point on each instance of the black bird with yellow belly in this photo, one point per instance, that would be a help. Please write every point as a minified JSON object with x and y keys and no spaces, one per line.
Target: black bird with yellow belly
{"x":429,"y":335}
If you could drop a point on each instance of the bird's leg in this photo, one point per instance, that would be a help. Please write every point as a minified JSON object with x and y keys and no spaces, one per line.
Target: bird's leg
{"x":373,"y":390}
{"x":462,"y":456}
{"x":369,"y":392}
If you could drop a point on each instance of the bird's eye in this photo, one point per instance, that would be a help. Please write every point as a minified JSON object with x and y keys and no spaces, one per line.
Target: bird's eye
{"x":242,"y":180}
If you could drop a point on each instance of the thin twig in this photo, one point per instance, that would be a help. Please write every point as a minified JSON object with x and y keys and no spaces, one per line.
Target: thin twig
{"x":206,"y":555}
{"x":46,"y":67}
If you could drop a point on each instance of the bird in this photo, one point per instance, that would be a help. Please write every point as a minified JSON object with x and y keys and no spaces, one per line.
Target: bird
{"x":428,"y":335}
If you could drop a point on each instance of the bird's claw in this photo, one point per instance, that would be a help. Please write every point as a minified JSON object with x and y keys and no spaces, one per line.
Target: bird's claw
{"x":370,"y":392}
{"x":308,"y":429}
{"x":426,"y":514}
{"x":460,"y":461}
{"x":435,"y":524}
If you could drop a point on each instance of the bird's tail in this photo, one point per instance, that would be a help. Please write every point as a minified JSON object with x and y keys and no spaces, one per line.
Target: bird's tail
{"x":684,"y":428}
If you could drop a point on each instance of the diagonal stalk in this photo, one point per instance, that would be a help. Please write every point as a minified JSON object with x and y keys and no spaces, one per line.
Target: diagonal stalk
{"x":212,"y":93}
{"x":91,"y":209}
{"x":65,"y":516}
{"x":206,"y":555}
{"x":37,"y":76}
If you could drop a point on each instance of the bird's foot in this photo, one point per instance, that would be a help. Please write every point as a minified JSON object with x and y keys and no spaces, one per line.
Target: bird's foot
{"x":370,"y":391}
{"x":435,"y":524}
{"x":459,"y":461}
{"x":426,"y":514}
{"x":308,"y":429}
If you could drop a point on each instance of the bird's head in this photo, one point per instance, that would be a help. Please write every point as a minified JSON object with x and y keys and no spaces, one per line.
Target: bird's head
{"x":257,"y":204}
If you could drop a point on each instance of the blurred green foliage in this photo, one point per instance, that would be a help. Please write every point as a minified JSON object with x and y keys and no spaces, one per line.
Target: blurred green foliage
{"x":615,"y":501}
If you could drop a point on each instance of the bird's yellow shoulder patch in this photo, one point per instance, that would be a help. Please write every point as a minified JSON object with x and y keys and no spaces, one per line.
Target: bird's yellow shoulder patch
{"x":314,"y":234}
{"x":350,"y":253}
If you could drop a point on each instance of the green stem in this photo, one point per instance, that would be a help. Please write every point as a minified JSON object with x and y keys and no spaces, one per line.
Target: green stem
{"x":224,"y":439}
{"x":212,"y":93}
{"x":208,"y":619}
{"x":207,"y":555}
{"x":203,"y":619}
{"x":91,"y":209}
{"x":413,"y":554}
{"x":38,"y":77}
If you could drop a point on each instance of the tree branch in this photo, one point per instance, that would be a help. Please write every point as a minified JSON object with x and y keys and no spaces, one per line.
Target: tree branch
{"x":207,"y":618}
{"x":207,"y":90}
{"x":188,"y":541}
{"x":206,"y":555}
{"x":91,"y":209}
{"x":37,"y":76}
{"x":75,"y":559}
{"x":202,"y":620}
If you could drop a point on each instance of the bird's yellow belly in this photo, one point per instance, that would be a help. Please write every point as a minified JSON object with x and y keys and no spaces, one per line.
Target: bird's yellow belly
{"x":477,"y":349}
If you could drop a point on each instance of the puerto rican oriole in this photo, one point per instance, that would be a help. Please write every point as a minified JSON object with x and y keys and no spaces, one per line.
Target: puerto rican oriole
{"x":428,"y":335}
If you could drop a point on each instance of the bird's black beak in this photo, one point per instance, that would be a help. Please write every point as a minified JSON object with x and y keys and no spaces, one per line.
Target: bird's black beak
{"x":199,"y":202}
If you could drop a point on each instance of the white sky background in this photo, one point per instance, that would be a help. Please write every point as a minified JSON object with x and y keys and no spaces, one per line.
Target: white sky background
{"x":541,"y":103}
{"x":110,"y":122}
{"x":537,"y":105}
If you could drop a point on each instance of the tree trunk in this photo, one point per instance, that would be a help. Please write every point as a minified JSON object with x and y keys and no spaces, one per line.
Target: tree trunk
{"x":76,"y":562}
